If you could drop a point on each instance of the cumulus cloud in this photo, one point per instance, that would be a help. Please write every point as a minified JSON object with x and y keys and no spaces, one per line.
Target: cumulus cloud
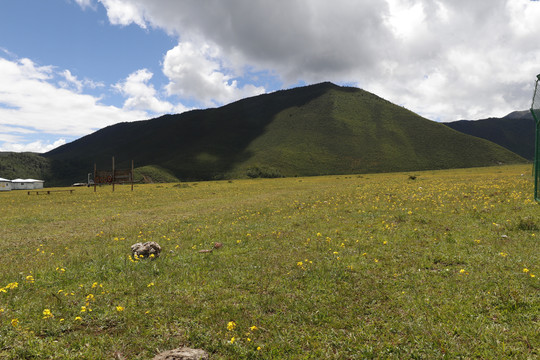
{"x":15,"y":138}
{"x":31,"y":101}
{"x":296,"y":39}
{"x":444,"y":60}
{"x":123,"y":13}
{"x":141,"y":95}
{"x":196,"y":72}
{"x":467,"y":60}
{"x":71,"y":81}
{"x":34,"y":146}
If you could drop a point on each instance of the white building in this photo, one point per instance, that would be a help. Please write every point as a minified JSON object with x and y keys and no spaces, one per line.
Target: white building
{"x":5,"y":184}
{"x":26,"y":184}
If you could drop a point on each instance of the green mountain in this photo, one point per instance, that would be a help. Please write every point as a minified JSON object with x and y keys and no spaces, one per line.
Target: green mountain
{"x":515,"y":131}
{"x":313,"y":130}
{"x":24,"y":165}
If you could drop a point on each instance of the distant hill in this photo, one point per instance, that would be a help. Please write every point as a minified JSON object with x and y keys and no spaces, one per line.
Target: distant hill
{"x":24,"y":165}
{"x":515,"y":131}
{"x":313,"y":130}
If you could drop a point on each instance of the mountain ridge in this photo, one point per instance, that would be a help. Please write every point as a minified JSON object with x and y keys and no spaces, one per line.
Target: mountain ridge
{"x":319,"y":129}
{"x":312,"y":130}
{"x":514,"y":131}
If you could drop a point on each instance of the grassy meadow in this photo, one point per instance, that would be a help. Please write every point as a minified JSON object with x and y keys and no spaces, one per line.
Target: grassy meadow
{"x":383,"y":266}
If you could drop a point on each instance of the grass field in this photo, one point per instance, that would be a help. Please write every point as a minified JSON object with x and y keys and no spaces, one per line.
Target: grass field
{"x":445,"y":265}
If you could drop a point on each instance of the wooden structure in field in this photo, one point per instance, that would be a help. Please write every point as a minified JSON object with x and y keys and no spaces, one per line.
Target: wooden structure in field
{"x":116,"y":176}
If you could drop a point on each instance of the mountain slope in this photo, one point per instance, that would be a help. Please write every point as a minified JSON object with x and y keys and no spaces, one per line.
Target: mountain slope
{"x":24,"y":165}
{"x":312,"y":130}
{"x":351,"y":131}
{"x":514,"y":132}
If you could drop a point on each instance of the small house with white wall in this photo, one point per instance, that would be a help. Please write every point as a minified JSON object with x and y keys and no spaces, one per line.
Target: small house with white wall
{"x":38,"y":184}
{"x":26,"y":184}
{"x":5,"y":184}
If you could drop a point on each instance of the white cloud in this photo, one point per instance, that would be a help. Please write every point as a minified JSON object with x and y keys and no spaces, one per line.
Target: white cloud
{"x":71,"y":81}
{"x":141,"y":95}
{"x":470,"y":64}
{"x":405,"y":18}
{"x":196,"y":72}
{"x":30,"y":101}
{"x":524,"y":18}
{"x":446,"y":60}
{"x":34,"y":146}
{"x":123,"y":13}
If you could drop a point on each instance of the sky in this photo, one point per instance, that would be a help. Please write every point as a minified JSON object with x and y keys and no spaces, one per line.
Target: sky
{"x":71,"y":67}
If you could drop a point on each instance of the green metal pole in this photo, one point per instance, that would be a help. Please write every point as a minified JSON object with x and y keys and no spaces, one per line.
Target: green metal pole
{"x":536,"y":163}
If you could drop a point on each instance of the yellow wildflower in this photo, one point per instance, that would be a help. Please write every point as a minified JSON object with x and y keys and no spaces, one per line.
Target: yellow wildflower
{"x":120,"y":308}
{"x":12,"y":285}
{"x":47,"y":314}
{"x":14,"y":322}
{"x":231,"y":325}
{"x":253,"y":328}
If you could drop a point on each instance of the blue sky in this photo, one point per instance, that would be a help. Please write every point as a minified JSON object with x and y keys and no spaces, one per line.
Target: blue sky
{"x":71,"y":67}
